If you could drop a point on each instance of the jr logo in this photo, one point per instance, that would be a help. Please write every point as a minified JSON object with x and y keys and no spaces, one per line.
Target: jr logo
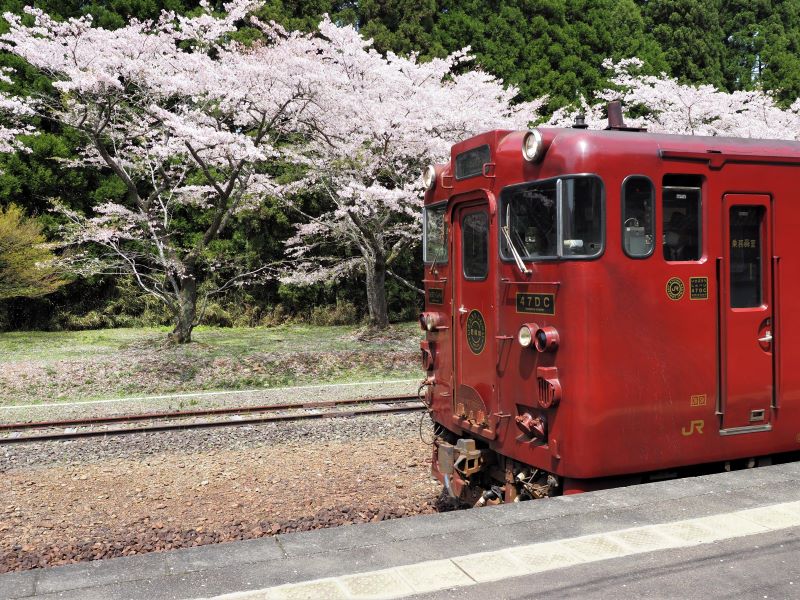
{"x":694,"y":427}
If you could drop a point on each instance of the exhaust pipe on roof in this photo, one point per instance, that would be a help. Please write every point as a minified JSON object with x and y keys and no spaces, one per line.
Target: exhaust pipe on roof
{"x":615,"y":119}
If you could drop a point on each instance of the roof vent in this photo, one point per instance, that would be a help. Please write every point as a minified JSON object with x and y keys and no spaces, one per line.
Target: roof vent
{"x":615,"y":120}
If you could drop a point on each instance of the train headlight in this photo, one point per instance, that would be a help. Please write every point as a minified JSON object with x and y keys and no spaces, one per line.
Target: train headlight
{"x":525,"y":335}
{"x":546,"y":339}
{"x":429,"y":177}
{"x":532,"y":146}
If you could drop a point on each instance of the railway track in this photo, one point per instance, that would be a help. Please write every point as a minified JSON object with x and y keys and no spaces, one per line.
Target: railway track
{"x":17,"y":433}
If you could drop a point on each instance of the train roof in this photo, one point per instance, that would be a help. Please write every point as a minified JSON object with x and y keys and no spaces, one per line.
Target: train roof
{"x":636,"y":141}
{"x":579,"y":150}
{"x":702,"y":143}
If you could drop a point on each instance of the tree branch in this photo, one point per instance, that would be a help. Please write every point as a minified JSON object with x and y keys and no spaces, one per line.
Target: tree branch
{"x":405,"y":282}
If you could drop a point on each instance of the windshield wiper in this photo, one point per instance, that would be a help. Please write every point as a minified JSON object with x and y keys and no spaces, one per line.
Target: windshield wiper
{"x":517,"y":258}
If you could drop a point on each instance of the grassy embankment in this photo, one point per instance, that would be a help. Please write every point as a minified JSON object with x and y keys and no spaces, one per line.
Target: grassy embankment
{"x":40,"y":367}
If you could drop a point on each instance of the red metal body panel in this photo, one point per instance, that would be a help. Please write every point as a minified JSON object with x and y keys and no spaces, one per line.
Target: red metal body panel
{"x":649,"y":382}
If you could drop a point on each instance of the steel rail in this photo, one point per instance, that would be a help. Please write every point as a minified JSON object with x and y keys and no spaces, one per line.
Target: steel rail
{"x":410,"y":404}
{"x":201,"y":412}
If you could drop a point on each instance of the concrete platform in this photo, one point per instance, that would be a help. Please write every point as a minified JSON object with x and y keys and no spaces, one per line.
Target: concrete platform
{"x":470,"y":553}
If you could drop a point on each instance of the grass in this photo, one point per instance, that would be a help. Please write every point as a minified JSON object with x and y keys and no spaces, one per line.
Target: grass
{"x":208,"y":341}
{"x":81,"y":365}
{"x":60,"y":345}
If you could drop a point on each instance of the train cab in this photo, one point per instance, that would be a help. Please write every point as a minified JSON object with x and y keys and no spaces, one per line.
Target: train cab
{"x":601,"y":305}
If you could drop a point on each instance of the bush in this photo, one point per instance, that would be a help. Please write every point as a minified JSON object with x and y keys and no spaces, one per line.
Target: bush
{"x":274,"y":316}
{"x":216,"y":315}
{"x":109,"y":302}
{"x":92,"y":320}
{"x":341,"y":313}
{"x":26,"y":264}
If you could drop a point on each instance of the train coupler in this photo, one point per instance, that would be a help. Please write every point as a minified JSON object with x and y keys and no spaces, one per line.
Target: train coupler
{"x":494,"y":495}
{"x":454,"y":464}
{"x":464,"y":457}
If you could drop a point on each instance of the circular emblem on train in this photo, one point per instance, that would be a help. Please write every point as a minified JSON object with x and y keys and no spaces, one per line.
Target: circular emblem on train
{"x":675,"y":288}
{"x":476,"y":332}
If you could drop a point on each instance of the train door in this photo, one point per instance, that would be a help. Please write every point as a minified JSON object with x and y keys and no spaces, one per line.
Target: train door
{"x":746,"y":319}
{"x":474,"y":334}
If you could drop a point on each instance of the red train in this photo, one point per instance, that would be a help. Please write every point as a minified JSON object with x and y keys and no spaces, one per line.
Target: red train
{"x":603,"y":306}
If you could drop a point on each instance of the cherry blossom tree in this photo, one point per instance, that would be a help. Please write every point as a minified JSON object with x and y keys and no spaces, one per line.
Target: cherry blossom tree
{"x":671,"y":107}
{"x":14,"y":111}
{"x":378,"y":122}
{"x":187,"y":119}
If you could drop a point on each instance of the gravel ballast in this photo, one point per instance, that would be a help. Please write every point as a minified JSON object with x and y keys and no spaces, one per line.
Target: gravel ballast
{"x":63,"y":502}
{"x":205,"y":400}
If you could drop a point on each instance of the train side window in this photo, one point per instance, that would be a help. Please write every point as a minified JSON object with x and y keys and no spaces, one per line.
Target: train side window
{"x":638,"y":217}
{"x":682,"y":223}
{"x":554,"y":218}
{"x":475,"y":245}
{"x":434,"y":247}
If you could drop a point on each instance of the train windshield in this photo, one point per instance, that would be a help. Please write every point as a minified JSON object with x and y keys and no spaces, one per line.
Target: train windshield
{"x":533,"y":212}
{"x":434,"y":247}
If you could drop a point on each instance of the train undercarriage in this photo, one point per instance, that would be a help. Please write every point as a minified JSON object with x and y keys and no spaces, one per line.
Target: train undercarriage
{"x":479,"y":476}
{"x":474,"y":475}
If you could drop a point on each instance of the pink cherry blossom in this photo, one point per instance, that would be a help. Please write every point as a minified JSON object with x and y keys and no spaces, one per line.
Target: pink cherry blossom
{"x":185,"y":118}
{"x":373,"y":127}
{"x":677,"y":108}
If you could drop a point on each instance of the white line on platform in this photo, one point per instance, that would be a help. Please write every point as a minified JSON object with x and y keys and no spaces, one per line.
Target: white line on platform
{"x":199,"y":394}
{"x":472,"y":569}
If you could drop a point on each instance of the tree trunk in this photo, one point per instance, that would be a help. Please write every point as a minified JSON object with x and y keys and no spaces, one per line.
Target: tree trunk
{"x":187,"y":310}
{"x":376,"y":292}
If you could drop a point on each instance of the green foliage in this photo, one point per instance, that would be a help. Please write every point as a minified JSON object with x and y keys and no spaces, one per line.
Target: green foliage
{"x":552,"y":48}
{"x":110,"y":14}
{"x":691,"y":36}
{"x":24,"y":268}
{"x":763,"y":46}
{"x":402,"y":26}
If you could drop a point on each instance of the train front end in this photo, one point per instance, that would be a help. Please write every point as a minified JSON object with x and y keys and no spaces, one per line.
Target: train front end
{"x":498,"y":224}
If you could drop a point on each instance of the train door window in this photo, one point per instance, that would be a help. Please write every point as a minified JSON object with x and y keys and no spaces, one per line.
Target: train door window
{"x":638,"y":217}
{"x":745,"y":261}
{"x":434,"y":247}
{"x":682,"y":218}
{"x":582,"y":217}
{"x":475,"y":245}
